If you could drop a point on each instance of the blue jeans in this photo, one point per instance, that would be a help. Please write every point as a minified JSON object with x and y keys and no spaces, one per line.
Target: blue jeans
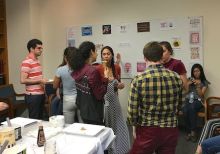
{"x":211,"y":145}
{"x":190,"y":114}
{"x":56,"y":106}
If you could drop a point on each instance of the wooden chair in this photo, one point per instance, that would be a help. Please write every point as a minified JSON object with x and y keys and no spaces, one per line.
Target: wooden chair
{"x":203,"y":113}
{"x":8,"y":94}
{"x":213,"y":107}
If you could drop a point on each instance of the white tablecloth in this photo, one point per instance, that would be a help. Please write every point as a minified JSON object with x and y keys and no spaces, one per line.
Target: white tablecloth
{"x":69,"y":143}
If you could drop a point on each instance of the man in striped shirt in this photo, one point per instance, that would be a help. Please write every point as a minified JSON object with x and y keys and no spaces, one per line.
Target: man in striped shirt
{"x":154,"y":99}
{"x":32,"y":77}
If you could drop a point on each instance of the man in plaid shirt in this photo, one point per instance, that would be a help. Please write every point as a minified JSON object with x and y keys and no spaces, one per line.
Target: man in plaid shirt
{"x":154,"y":99}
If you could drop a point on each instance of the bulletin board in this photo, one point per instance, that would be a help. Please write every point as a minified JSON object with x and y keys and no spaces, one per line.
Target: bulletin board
{"x":184,"y":33}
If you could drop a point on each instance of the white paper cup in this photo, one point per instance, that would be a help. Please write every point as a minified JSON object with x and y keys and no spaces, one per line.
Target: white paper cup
{"x":57,"y":121}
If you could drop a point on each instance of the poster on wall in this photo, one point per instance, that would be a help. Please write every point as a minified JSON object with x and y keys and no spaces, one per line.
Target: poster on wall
{"x":124,"y":44}
{"x":194,"y":38}
{"x":195,"y":53}
{"x":141,"y":66}
{"x":167,"y":25}
{"x":99,"y":46}
{"x":176,"y":43}
{"x":71,"y":42}
{"x":195,"y":22}
{"x":86,"y":31}
{"x":122,"y":28}
{"x":185,"y":35}
{"x":106,"y":29}
{"x":71,"y":37}
{"x":126,"y":70}
{"x":143,"y":27}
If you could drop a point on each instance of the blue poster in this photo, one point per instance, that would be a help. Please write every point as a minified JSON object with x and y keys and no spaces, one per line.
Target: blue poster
{"x":86,"y":31}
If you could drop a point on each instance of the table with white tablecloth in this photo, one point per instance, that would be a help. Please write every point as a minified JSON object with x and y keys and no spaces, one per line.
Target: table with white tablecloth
{"x":66,"y":143}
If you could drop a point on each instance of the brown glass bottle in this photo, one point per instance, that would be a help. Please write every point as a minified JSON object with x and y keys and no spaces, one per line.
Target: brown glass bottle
{"x":41,"y":137}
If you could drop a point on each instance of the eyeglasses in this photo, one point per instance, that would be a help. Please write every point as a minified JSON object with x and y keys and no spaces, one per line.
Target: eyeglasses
{"x":39,"y":48}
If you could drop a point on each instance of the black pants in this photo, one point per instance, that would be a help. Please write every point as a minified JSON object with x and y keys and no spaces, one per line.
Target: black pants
{"x":92,"y":122}
{"x":35,"y":105}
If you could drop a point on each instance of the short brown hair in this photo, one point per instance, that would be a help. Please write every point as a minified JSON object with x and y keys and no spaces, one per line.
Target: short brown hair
{"x":153,"y":51}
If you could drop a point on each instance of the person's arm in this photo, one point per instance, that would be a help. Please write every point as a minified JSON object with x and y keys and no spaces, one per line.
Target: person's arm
{"x":56,"y":82}
{"x":201,"y":89}
{"x":133,"y":106}
{"x":97,"y":85}
{"x":181,"y":70}
{"x":181,"y":96}
{"x":3,"y":106}
{"x":183,"y":77}
{"x":58,"y":93}
{"x":133,"y":103}
{"x":198,"y":150}
{"x":118,"y":58}
{"x":25,"y":80}
{"x":118,"y":74}
{"x":120,"y":85}
{"x":134,"y":132}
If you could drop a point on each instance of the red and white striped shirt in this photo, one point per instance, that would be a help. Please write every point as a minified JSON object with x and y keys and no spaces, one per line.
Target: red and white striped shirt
{"x":32,"y":67}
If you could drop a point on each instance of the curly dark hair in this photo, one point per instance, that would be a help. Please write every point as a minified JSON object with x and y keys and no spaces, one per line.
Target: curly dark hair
{"x":77,"y":60}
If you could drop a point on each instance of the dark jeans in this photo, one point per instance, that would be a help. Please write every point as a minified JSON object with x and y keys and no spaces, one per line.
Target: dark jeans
{"x":211,"y":145}
{"x":155,"y":139}
{"x":56,"y":106}
{"x":190,"y":111}
{"x":35,"y":105}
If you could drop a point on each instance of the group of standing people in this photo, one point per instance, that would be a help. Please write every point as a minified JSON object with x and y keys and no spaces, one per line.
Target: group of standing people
{"x":91,"y":92}
{"x":157,"y":96}
{"x":88,"y":91}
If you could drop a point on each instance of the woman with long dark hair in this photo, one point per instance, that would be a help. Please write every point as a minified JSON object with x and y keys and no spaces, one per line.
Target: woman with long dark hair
{"x":113,"y":113}
{"x":198,"y":85}
{"x":90,"y":86}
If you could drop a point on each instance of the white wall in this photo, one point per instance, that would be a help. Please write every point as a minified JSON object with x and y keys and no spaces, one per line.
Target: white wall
{"x":23,"y":23}
{"x":48,"y":19}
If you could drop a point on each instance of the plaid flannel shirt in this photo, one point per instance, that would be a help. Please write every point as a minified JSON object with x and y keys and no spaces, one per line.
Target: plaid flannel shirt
{"x":154,"y":97}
